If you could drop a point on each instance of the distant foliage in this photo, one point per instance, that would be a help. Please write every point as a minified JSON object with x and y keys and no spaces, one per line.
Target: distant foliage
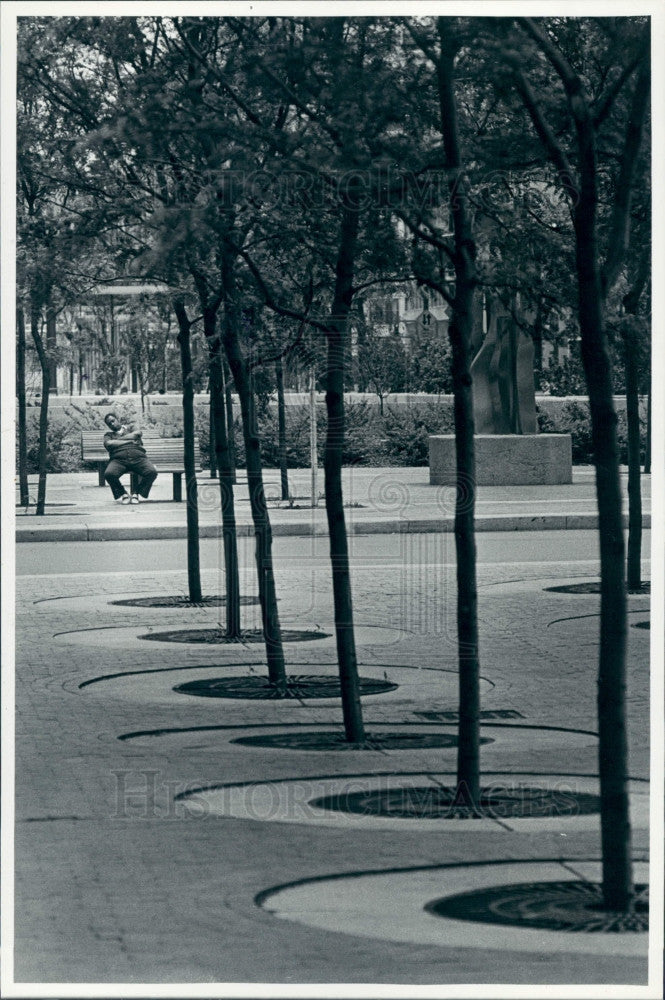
{"x":574,"y":419}
{"x":399,"y":437}
{"x":407,"y":430}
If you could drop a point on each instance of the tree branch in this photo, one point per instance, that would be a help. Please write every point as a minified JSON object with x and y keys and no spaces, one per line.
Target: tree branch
{"x":269,"y":297}
{"x":546,"y":135}
{"x":620,"y":224}
{"x":606,"y":100}
{"x":296,"y":340}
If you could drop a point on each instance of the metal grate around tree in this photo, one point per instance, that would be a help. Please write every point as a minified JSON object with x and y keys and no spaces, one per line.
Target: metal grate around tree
{"x":179,"y":601}
{"x":217,"y":636}
{"x":299,"y":686}
{"x":325,"y":741}
{"x":572,"y":906}
{"x":431,"y":802}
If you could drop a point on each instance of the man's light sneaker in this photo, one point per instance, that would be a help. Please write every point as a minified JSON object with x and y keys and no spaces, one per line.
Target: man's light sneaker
{"x":123,"y":499}
{"x":135,"y":498}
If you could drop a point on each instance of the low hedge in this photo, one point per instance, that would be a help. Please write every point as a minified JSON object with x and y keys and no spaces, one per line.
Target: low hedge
{"x":397,"y":437}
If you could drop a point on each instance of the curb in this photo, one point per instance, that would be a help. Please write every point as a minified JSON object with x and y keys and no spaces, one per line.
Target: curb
{"x":112,"y":533}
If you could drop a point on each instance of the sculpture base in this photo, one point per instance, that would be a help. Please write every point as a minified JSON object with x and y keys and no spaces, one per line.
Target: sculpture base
{"x":506,"y":459}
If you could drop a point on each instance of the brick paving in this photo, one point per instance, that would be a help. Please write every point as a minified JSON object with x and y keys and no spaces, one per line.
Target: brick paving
{"x":118,"y":882}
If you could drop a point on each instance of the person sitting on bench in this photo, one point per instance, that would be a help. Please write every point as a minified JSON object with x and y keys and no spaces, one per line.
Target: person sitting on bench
{"x":127,"y":454}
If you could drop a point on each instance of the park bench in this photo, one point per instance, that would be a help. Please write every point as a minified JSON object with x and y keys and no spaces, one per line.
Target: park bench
{"x":166,"y":454}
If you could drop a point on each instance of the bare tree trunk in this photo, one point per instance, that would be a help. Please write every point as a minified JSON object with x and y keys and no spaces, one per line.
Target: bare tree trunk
{"x":618,"y":890}
{"x":631,"y":330}
{"x":339,"y":553}
{"x":262,"y":530}
{"x":35,"y":316}
{"x":461,"y":332}
{"x":51,"y":347}
{"x":212,"y":443}
{"x":281,"y":429}
{"x":191,"y":489}
{"x":313,"y":447}
{"x":634,"y":560}
{"x":647,"y":446}
{"x":613,"y":744}
{"x":230,"y":423}
{"x":226,"y":475}
{"x":24,"y":492}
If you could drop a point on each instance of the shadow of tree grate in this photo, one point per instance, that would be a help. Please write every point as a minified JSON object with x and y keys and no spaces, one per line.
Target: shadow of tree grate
{"x":429,"y":802}
{"x":553,"y":906}
{"x":216,"y":636}
{"x":300,"y":686}
{"x":338,"y":741}
{"x":590,"y":587}
{"x":179,"y":601}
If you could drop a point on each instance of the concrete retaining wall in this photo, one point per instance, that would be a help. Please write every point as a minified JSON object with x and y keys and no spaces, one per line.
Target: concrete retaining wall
{"x":506,"y":459}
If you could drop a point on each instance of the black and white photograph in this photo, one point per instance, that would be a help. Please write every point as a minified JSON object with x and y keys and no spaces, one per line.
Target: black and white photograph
{"x":332,"y":432}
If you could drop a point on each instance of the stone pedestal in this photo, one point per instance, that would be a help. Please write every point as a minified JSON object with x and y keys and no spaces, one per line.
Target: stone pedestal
{"x":506,"y":459}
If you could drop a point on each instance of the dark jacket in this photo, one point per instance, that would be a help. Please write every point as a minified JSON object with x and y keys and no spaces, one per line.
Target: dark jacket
{"x":124,"y":445}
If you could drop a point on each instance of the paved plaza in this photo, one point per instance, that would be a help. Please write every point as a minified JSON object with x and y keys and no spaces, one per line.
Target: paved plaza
{"x":162,"y":837}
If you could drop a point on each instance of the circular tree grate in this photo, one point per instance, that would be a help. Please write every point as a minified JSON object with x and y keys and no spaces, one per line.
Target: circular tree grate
{"x":179,"y":601}
{"x":218,"y":635}
{"x":338,"y":741}
{"x":429,"y":802}
{"x":591,"y":587}
{"x":552,"y":906}
{"x":298,"y":686}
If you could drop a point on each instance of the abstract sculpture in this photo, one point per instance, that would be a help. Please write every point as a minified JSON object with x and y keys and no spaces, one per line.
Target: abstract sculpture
{"x":504,"y":399}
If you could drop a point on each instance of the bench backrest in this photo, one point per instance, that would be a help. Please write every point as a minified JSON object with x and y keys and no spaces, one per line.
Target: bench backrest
{"x":165,"y":453}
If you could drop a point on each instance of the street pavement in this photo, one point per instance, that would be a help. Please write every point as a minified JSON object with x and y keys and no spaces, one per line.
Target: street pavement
{"x":154,"y":848}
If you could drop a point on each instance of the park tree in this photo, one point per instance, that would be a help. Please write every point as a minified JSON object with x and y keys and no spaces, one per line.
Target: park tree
{"x":52,"y":266}
{"x":573,"y":109}
{"x":429,"y":365}
{"x":83,"y":70}
{"x":449,"y":267}
{"x":24,"y":493}
{"x":321,"y":73}
{"x":382,"y":361}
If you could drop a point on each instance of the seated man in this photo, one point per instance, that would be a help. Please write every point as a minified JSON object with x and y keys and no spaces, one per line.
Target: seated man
{"x":127,"y":455}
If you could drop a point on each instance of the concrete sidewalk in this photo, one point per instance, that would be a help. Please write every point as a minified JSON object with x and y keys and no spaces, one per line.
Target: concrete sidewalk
{"x":378,"y":500}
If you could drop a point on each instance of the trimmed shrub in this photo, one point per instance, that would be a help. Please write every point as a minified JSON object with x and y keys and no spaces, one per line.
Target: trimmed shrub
{"x":407,"y":430}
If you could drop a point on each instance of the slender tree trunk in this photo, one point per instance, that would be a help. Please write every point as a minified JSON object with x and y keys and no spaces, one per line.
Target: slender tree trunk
{"x":212,"y":443}
{"x":632,"y":346}
{"x":461,"y":333}
{"x":339,"y":552}
{"x":281,"y":429}
{"x":613,"y":744}
{"x":226,"y":475}
{"x":262,"y":530}
{"x":35,"y":315}
{"x":618,"y":890}
{"x":191,"y":489}
{"x":230,"y":423}
{"x":647,"y":446}
{"x":51,"y":346}
{"x":24,"y":491}
{"x":313,"y":446}
{"x":634,"y":561}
